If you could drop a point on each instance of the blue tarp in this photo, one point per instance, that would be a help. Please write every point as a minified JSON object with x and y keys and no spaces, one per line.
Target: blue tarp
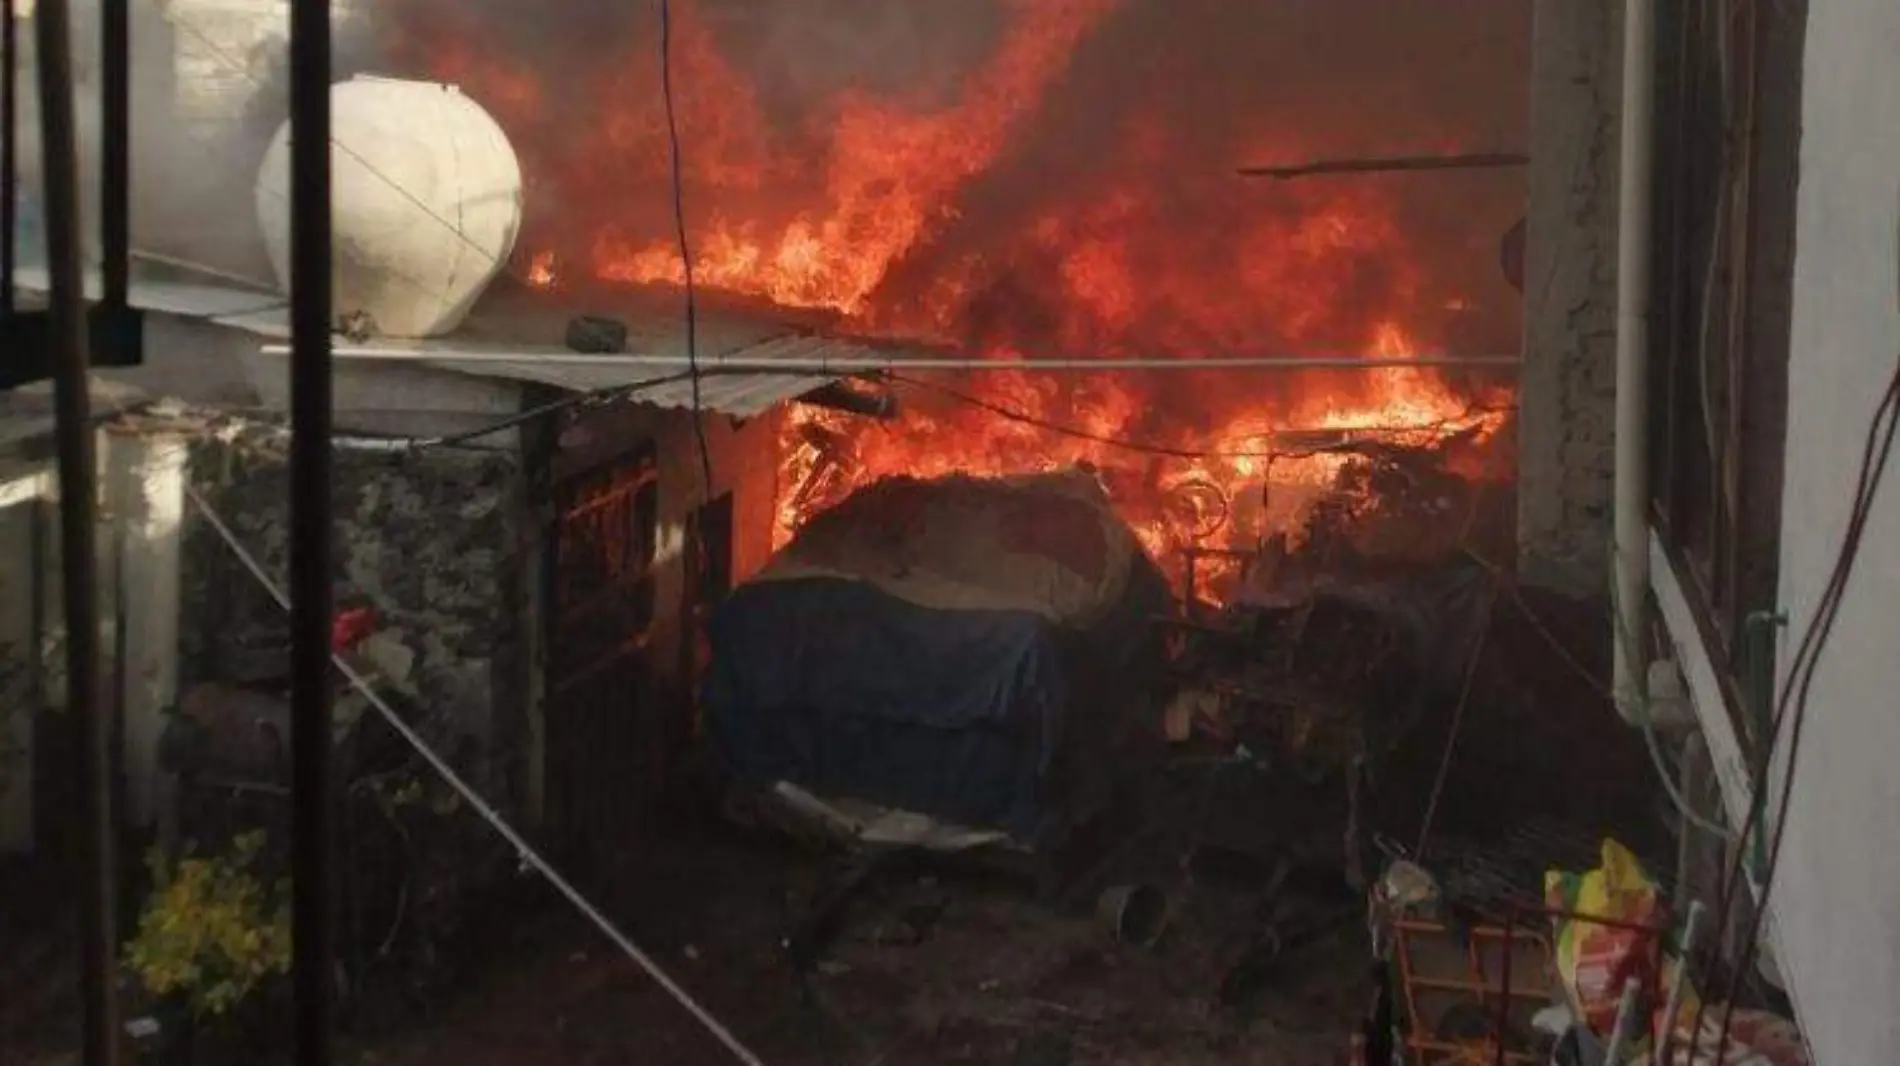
{"x":845,"y":690}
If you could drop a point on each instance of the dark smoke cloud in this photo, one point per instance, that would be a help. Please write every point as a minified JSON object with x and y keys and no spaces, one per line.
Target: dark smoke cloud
{"x":1227,"y":82}
{"x":1224,"y":82}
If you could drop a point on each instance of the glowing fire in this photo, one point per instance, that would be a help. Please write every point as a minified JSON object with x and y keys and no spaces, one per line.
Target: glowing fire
{"x":1215,"y":490}
{"x":970,"y":213}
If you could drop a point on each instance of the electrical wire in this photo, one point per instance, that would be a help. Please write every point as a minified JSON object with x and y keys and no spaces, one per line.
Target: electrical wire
{"x":1349,"y":436}
{"x":694,"y":372}
{"x":1792,"y":703}
{"x":1541,"y":627}
{"x":242,"y":70}
{"x":1457,"y":722}
{"x":678,"y":183}
{"x":515,"y":839}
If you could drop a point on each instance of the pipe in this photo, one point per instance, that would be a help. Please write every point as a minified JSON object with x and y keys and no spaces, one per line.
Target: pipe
{"x":78,"y":505}
{"x":1685,"y":953}
{"x":1623,"y":1030}
{"x":881,"y":405}
{"x":9,"y":151}
{"x":1630,"y":541}
{"x":115,"y":152}
{"x":1391,"y":165}
{"x":848,"y":365}
{"x":312,"y":983}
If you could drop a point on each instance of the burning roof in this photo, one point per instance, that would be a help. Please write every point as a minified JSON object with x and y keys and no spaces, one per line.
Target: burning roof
{"x":1038,"y":177}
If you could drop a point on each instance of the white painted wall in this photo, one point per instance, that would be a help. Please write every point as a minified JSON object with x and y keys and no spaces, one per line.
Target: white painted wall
{"x":1836,"y":902}
{"x":145,"y":476}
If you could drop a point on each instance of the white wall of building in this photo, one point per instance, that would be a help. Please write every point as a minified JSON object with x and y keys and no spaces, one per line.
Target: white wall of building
{"x":1836,"y":902}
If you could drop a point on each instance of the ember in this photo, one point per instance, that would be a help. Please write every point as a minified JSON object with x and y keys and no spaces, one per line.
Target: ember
{"x":1020,"y":177}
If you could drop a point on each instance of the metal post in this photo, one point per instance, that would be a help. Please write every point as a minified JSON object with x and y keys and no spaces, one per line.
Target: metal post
{"x":115,"y":151}
{"x":78,"y":504}
{"x":310,"y":592}
{"x":9,"y":151}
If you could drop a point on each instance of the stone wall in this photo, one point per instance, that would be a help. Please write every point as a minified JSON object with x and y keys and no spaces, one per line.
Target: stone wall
{"x":1567,"y":428}
{"x":430,"y":541}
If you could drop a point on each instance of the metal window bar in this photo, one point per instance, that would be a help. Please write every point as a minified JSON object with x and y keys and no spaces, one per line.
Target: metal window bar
{"x":78,"y":505}
{"x":310,"y":590}
{"x":9,"y":152}
{"x":115,"y":158}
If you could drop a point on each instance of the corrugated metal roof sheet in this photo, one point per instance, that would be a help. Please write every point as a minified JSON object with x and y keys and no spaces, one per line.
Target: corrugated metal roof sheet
{"x":511,"y":321}
{"x":740,"y":394}
{"x":184,"y":298}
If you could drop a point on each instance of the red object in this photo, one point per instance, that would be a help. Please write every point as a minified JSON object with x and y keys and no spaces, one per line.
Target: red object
{"x":349,"y":627}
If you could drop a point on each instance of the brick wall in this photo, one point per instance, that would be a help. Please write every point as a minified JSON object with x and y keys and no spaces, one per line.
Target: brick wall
{"x":1566,"y":436}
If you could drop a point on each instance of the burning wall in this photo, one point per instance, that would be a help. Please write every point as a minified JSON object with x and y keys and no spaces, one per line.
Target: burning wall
{"x":1033,"y":177}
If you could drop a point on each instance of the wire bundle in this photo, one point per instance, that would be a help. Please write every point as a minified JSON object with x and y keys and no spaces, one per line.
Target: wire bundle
{"x":1791,"y":705}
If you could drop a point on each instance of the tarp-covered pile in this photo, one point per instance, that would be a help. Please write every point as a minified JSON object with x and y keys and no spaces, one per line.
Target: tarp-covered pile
{"x":976,"y":650}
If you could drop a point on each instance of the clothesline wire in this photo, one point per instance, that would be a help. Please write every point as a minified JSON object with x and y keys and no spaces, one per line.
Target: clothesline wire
{"x":493,"y":817}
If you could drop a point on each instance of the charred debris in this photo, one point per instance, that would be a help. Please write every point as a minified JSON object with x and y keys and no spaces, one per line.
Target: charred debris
{"x":1376,"y":688}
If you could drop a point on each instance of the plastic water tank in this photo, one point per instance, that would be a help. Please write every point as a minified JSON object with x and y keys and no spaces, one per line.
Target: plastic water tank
{"x":427,"y":194}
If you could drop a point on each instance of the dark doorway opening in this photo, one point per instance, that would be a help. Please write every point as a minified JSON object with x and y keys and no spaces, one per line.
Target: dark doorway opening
{"x":708,"y":581}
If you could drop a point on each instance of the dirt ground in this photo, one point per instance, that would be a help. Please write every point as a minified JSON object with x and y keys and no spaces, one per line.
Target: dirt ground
{"x":951,"y":970}
{"x":994,"y":978}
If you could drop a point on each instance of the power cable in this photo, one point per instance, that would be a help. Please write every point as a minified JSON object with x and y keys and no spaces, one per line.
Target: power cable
{"x":1351,"y":435}
{"x":515,"y":839}
{"x":694,"y":373}
{"x":1792,"y":702}
{"x":1457,"y":723}
{"x":678,"y":183}
{"x":238,"y":67}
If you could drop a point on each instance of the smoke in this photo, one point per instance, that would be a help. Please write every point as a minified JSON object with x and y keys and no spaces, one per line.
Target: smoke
{"x":1197,"y":86}
{"x":1203,"y":86}
{"x":208,"y":93}
{"x":1137,"y":140}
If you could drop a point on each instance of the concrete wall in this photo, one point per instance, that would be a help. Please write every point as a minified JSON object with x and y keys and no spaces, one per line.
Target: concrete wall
{"x":141,"y":498}
{"x":1837,"y":897}
{"x":1565,"y":432}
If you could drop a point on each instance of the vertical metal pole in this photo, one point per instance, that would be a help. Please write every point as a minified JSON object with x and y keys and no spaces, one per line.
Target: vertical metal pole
{"x":9,"y":150}
{"x":115,"y":151}
{"x":78,"y":506}
{"x":1630,"y":488}
{"x":310,"y":593}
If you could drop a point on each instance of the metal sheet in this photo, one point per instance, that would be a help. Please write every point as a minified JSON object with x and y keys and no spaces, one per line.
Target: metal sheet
{"x":507,"y":323}
{"x":187,"y":299}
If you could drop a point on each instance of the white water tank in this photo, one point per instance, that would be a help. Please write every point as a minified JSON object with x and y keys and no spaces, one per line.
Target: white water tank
{"x":427,"y":194}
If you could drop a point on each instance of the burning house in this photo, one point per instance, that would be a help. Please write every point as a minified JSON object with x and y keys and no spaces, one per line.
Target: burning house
{"x":1011,"y":195}
{"x":910,"y":338}
{"x":509,"y":290}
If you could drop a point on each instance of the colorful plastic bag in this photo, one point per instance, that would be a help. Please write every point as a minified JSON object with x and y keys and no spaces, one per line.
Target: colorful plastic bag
{"x":1594,"y":960}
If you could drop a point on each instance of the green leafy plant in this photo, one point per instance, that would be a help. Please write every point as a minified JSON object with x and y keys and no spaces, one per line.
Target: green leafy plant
{"x":212,"y":930}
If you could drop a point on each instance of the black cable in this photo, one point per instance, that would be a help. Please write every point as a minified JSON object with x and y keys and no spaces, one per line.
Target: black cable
{"x":1350,"y":436}
{"x":1792,"y":702}
{"x":685,"y":247}
{"x":1876,"y":454}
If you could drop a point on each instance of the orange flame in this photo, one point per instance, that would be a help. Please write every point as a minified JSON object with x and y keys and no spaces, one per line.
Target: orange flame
{"x":933,"y":219}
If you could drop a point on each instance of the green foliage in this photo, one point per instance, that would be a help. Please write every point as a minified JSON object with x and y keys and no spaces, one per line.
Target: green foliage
{"x":212,"y":931}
